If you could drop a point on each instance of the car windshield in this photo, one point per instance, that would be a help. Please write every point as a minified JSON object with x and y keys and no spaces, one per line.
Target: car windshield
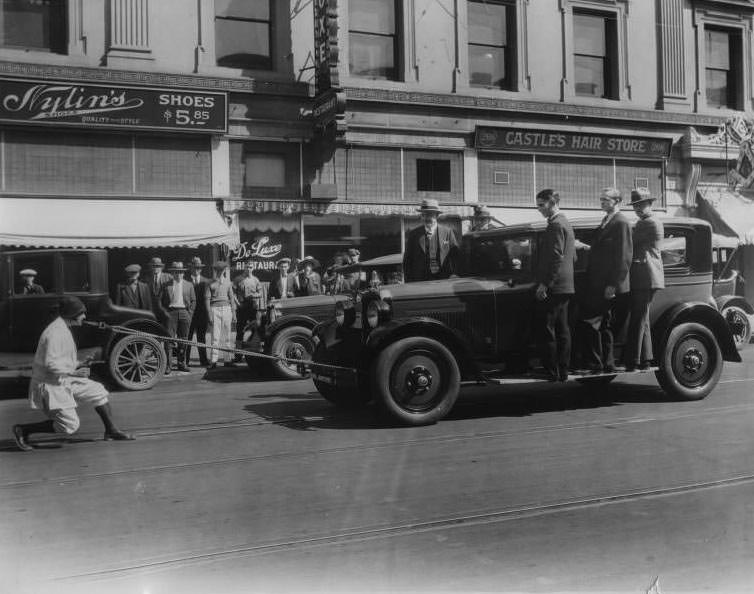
{"x":497,"y":256}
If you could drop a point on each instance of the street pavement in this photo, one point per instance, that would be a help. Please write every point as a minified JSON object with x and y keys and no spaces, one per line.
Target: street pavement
{"x":237,"y":483}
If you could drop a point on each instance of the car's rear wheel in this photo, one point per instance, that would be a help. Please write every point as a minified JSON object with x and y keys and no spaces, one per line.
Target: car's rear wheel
{"x":739,"y":323}
{"x":416,"y":380}
{"x":293,"y":343}
{"x":136,"y":362}
{"x":691,"y":362}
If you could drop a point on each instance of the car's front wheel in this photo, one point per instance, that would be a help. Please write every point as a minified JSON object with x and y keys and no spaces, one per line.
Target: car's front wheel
{"x":136,"y":362}
{"x":739,"y":324}
{"x":691,"y":362}
{"x":292,"y":343}
{"x":416,"y":380}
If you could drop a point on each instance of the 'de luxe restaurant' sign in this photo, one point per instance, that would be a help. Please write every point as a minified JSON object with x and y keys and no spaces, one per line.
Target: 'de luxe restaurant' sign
{"x":78,"y":104}
{"x":550,"y":141}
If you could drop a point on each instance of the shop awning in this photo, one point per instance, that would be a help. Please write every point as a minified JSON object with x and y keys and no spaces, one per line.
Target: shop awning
{"x":105,"y":223}
{"x":341,"y":208}
{"x":730,"y":213}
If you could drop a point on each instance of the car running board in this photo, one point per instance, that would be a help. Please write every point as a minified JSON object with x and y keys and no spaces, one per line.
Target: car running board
{"x":535,"y":378}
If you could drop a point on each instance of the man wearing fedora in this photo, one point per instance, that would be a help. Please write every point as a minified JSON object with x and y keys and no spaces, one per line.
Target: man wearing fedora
{"x":156,"y":279}
{"x":179,"y":300}
{"x":199,"y":321}
{"x":133,"y":292}
{"x":431,"y":249}
{"x":607,"y":287}
{"x":282,"y":283}
{"x":59,"y":383}
{"x":647,"y":277}
{"x":482,"y":219}
{"x":29,"y":286}
{"x":307,"y":282}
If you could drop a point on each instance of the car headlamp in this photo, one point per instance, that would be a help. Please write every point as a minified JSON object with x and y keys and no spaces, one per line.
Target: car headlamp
{"x":378,"y":312}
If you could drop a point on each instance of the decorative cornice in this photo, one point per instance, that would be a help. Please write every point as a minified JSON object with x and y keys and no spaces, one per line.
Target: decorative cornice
{"x":527,"y":106}
{"x":153,"y":79}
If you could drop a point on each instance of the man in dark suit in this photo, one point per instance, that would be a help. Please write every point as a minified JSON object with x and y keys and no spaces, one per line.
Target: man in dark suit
{"x":179,"y":300}
{"x":555,"y":287}
{"x":29,"y":286}
{"x":607,"y":283}
{"x":199,"y":320}
{"x":647,"y":276}
{"x":431,"y":250}
{"x":133,"y":292}
{"x":282,"y":284}
{"x":156,"y":279}
{"x":308,"y":282}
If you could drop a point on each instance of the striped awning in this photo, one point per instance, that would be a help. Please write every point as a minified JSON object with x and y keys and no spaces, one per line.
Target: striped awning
{"x":340,"y":208}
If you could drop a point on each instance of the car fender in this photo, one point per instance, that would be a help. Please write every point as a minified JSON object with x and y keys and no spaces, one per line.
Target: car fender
{"x":289,"y":320}
{"x":728,"y":300}
{"x":701,"y":313}
{"x":395,"y":329}
{"x":141,"y":324}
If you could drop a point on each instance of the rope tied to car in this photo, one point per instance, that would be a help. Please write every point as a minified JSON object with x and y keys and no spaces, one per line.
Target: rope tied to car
{"x":302,"y":364}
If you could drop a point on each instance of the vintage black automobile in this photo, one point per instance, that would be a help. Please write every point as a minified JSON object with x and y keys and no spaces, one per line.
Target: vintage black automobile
{"x":132,"y":362}
{"x":285,"y":329}
{"x":410,"y":347}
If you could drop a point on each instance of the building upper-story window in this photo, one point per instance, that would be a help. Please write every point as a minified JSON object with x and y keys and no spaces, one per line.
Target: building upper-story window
{"x":34,"y":24}
{"x":595,"y":53}
{"x":722,"y":67}
{"x":243,"y":31}
{"x":433,"y":175}
{"x":373,"y":38}
{"x":492,"y":44}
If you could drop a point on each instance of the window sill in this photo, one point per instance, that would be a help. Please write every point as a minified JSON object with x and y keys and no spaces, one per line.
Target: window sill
{"x":45,"y":57}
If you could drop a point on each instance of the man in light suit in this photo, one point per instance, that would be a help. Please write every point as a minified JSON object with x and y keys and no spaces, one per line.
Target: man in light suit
{"x":555,"y":287}
{"x":607,"y":283}
{"x":156,"y":279}
{"x":282,"y":284}
{"x":133,"y":292}
{"x":647,"y":277}
{"x":432,"y":250}
{"x":179,"y":300}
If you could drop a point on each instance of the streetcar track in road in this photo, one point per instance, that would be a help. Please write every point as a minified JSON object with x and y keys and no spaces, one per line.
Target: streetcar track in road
{"x":367,"y":533}
{"x":603,"y":423}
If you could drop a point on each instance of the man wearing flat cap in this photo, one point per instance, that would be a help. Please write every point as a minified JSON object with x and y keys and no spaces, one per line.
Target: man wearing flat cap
{"x":133,"y":292}
{"x":59,"y":384}
{"x":156,"y":279}
{"x":179,"y":300}
{"x":282,"y":283}
{"x":199,"y":321}
{"x":30,"y":287}
{"x":647,"y":277}
{"x":603,"y":311}
{"x":431,"y":249}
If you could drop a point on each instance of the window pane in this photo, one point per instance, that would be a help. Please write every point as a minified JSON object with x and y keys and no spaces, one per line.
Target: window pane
{"x":265,"y":170}
{"x":673,"y":252}
{"x":717,"y":88}
{"x":242,"y":44}
{"x":373,"y":16}
{"x":495,"y":256}
{"x":43,"y":264}
{"x":371,"y":56}
{"x":246,"y":9}
{"x":487,"y":65}
{"x":589,"y":34}
{"x":33,"y":24}
{"x":75,"y":273}
{"x":718,"y":49}
{"x":487,"y":23}
{"x":589,"y":76}
{"x":432,"y":175}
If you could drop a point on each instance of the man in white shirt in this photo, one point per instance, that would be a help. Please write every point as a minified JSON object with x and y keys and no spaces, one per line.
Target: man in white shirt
{"x":58,"y":384}
{"x":179,"y":299}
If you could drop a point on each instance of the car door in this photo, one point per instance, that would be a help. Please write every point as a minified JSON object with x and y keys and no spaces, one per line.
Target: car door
{"x":28,"y":315}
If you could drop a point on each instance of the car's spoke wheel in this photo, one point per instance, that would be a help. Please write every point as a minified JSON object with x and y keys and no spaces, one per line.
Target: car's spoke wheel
{"x":136,"y":363}
{"x":691,"y":362}
{"x":294,"y":342}
{"x":416,"y":380}
{"x":739,"y":324}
